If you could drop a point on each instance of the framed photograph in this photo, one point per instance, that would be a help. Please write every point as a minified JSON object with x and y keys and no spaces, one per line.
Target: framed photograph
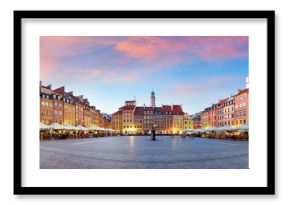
{"x":144,"y":102}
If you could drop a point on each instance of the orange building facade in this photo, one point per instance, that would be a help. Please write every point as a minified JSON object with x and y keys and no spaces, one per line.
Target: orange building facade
{"x":46,"y":105}
{"x":242,"y":107}
{"x":58,"y":106}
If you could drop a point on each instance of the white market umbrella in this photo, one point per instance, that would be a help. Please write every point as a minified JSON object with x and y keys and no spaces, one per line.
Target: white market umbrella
{"x":201,"y":130}
{"x":70,"y":127}
{"x":243,"y":127}
{"x":101,"y":129}
{"x":213,"y":128}
{"x":225,"y":128}
{"x":43,"y":126}
{"x":80,"y":127}
{"x":93,"y":128}
{"x":57,"y":126}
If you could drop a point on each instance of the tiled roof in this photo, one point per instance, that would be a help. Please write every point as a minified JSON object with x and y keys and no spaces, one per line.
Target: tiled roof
{"x":148,"y":109}
{"x":243,"y":91}
{"x":139,"y":111}
{"x":159,"y":109}
{"x":221,"y":102}
{"x":177,"y":109}
{"x":75,"y":99}
{"x":167,"y":108}
{"x":118,"y":112}
{"x":59,"y":90}
{"x":127,"y":108}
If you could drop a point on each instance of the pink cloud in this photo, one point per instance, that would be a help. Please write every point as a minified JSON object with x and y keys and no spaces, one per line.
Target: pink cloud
{"x":137,"y":50}
{"x":130,"y":57}
{"x":207,"y":48}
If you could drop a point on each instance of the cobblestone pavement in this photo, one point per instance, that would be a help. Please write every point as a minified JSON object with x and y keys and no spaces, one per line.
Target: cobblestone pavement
{"x":139,"y":152}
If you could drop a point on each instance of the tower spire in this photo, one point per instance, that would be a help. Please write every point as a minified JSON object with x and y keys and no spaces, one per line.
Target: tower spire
{"x":152,"y":99}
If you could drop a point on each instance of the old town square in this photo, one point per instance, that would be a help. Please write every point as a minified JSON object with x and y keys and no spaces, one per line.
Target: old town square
{"x":144,"y":102}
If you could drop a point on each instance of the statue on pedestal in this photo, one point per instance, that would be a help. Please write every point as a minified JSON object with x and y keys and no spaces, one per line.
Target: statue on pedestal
{"x":153,"y":138}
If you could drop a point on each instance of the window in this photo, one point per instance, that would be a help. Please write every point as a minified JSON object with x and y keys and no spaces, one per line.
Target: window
{"x":244,"y":104}
{"x":43,"y":104}
{"x":55,"y":104}
{"x":46,"y":104}
{"x":244,"y":112}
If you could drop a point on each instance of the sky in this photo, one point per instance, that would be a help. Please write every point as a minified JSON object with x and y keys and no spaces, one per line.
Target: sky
{"x":194,"y":71}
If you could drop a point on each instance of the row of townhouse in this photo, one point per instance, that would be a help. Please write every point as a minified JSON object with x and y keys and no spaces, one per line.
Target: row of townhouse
{"x":232,"y":111}
{"x":59,"y":106}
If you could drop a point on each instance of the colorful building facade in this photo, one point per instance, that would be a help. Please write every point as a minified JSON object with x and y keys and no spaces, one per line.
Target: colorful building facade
{"x":196,"y":121}
{"x":133,"y":119}
{"x":241,"y":107}
{"x":59,"y":106}
{"x":188,"y":121}
{"x":231,"y":111}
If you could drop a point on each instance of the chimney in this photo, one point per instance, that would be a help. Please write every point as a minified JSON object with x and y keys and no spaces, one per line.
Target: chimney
{"x":49,"y":86}
{"x":144,"y":106}
{"x":40,"y":83}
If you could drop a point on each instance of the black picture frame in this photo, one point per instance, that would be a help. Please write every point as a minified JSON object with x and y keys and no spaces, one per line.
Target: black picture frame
{"x":268,"y":190}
